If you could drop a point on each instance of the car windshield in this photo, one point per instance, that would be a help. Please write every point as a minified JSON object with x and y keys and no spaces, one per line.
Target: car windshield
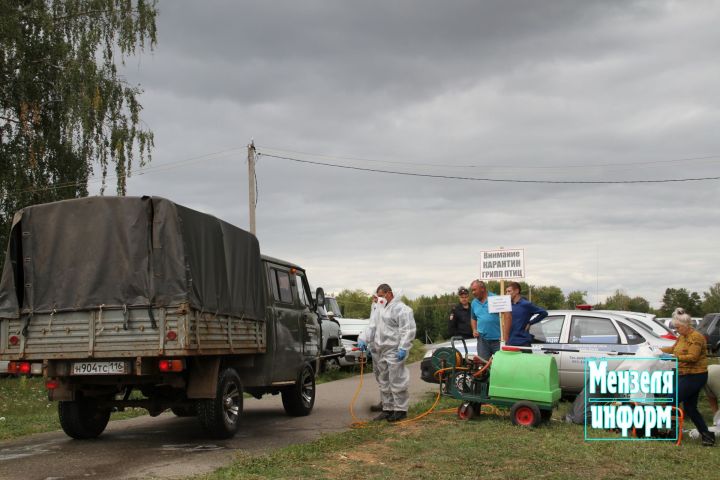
{"x":331,"y":305}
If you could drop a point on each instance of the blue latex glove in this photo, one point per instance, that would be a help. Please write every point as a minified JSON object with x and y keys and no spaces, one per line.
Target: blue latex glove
{"x":401,"y":354}
{"x":362,"y":345}
{"x":667,"y":356}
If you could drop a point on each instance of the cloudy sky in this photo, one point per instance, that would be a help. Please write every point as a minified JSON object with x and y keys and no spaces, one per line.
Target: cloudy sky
{"x":521,"y":90}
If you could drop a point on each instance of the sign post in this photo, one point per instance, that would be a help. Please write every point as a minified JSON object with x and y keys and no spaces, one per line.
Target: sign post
{"x":502,"y":265}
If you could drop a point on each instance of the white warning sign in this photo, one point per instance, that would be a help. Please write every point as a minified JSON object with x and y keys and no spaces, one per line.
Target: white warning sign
{"x":502,"y":264}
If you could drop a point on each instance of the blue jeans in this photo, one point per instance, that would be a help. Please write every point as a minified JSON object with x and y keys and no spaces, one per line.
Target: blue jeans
{"x":486,"y":348}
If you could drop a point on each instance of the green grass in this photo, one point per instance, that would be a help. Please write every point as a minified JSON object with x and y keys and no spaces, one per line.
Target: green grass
{"x":441,"y":446}
{"x":25,"y":409}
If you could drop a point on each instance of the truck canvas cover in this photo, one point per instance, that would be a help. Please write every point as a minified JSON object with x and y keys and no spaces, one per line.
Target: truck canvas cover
{"x":135,"y":252}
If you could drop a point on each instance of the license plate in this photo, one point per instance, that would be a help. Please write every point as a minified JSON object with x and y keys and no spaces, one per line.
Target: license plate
{"x":99,"y":368}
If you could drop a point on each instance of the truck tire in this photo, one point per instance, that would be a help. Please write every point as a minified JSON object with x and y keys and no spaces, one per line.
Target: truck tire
{"x":82,"y":419}
{"x":299,"y":399}
{"x":220,"y":416}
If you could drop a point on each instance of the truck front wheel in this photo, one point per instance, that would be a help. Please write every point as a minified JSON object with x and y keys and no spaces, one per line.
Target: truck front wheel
{"x":82,"y":419}
{"x":220,"y":416}
{"x":299,"y":399}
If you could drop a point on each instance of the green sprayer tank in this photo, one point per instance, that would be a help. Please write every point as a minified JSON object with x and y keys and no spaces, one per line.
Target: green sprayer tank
{"x":522,"y":376}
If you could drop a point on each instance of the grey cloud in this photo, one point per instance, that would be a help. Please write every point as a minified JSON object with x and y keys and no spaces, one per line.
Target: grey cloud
{"x":519,"y":88}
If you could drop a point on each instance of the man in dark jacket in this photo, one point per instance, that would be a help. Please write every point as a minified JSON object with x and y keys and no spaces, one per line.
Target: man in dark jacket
{"x":524,"y":315}
{"x":459,"y":320}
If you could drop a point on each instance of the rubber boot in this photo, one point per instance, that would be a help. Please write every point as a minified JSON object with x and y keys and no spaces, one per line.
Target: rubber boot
{"x":384,"y":415}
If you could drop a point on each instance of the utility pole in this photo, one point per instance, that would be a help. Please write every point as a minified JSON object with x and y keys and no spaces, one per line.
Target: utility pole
{"x":251,"y":185}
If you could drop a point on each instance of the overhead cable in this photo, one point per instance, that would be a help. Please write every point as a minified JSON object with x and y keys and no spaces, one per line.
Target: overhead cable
{"x":504,"y":167}
{"x":489,"y":179}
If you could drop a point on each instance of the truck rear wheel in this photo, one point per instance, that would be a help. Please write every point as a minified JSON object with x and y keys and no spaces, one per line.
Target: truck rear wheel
{"x":82,"y":419}
{"x":299,"y":399}
{"x":220,"y":416}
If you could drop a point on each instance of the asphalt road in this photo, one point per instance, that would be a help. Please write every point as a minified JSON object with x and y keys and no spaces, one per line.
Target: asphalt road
{"x":171,"y":447}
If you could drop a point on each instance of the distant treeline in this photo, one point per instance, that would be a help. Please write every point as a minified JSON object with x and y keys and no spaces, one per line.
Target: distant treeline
{"x":431,"y":312}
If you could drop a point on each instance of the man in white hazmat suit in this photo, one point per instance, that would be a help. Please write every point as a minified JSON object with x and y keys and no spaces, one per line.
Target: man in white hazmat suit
{"x":389,"y":335}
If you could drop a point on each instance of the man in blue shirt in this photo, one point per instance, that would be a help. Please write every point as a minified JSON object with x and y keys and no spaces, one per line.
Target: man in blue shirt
{"x":522,"y":312}
{"x":485,"y":325}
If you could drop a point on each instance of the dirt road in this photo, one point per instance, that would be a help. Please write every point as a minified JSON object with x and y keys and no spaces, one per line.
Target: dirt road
{"x":171,"y":447}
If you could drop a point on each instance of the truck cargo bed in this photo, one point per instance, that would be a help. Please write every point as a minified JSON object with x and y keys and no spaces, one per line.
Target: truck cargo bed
{"x":113,"y":333}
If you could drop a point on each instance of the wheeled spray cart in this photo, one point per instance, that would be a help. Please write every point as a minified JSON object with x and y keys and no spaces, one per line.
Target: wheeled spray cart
{"x":526,"y":383}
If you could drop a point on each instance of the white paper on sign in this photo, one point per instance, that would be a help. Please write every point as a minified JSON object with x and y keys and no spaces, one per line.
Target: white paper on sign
{"x":499,"y":304}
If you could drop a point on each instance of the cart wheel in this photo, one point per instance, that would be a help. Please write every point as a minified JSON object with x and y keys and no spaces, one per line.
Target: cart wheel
{"x":526,"y":414}
{"x":466,"y":411}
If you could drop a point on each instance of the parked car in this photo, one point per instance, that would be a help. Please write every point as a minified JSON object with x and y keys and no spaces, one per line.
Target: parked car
{"x":352,"y":354}
{"x":332,"y":348}
{"x":710,"y":327}
{"x":350,"y":327}
{"x":572,"y":336}
{"x":648,"y":319}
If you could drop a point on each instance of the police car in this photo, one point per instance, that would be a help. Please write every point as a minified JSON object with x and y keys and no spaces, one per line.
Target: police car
{"x":571,"y":336}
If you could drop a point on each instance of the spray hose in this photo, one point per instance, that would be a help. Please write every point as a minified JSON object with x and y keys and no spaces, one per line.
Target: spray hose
{"x":357,"y":423}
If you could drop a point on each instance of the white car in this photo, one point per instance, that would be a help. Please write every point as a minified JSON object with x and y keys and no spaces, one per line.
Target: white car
{"x":649,"y":320}
{"x":351,"y":327}
{"x":352,"y":354}
{"x":572,"y":336}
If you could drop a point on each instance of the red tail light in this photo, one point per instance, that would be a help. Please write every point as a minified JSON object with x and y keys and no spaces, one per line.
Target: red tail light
{"x":669,"y":336}
{"x":19,"y":368}
{"x":52,"y":384}
{"x":171,"y":365}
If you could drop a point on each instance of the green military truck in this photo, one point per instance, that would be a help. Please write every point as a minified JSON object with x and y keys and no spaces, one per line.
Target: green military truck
{"x":140,"y":302}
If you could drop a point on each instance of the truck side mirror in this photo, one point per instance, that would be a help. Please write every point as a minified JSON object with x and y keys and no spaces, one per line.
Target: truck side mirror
{"x":320,"y":297}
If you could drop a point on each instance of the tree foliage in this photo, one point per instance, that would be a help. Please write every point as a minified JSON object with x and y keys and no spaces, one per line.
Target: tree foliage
{"x":575,"y":298}
{"x":64,"y":110}
{"x":354,"y":303}
{"x":548,"y":297}
{"x":681,"y":297}
{"x":711,"y":300}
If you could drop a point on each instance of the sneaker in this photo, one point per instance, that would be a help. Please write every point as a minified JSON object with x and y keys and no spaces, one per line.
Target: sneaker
{"x":708,"y":439}
{"x":397,"y":416}
{"x":385,"y":415}
{"x":376,"y":408}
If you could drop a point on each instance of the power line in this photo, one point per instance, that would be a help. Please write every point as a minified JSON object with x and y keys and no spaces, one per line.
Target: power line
{"x":138,"y":172}
{"x":488,"y":179}
{"x":505,"y":167}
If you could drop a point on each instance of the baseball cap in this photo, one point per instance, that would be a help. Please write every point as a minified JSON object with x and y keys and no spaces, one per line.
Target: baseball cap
{"x":463,"y":291}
